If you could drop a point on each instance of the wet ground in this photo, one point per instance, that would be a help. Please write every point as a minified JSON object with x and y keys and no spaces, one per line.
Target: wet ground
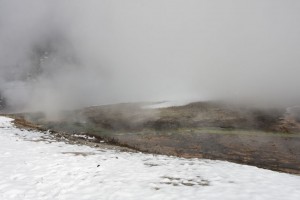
{"x":265,"y":138}
{"x":280,"y":153}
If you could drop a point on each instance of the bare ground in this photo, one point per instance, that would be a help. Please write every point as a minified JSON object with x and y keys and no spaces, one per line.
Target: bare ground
{"x":265,"y":138}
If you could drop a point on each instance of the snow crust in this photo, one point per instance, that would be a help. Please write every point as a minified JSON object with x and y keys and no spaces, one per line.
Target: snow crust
{"x":33,"y":166}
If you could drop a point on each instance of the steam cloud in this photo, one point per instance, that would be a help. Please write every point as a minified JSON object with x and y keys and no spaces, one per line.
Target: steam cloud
{"x":57,"y":54}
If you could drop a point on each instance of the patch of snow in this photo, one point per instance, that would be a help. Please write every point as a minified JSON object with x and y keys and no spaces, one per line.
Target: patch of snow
{"x":32,"y":166}
{"x":82,"y":136}
{"x":166,"y":104}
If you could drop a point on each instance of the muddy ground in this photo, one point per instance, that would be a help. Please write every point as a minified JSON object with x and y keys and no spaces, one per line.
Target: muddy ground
{"x":279,"y":153}
{"x":265,"y":138}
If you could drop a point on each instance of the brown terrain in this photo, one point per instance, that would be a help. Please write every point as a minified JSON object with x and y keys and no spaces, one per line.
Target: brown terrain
{"x":267,"y":138}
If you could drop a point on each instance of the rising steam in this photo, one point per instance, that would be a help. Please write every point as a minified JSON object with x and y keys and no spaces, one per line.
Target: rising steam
{"x":58,"y":54}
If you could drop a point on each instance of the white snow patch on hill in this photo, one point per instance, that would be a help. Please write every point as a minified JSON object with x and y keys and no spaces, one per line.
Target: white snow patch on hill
{"x":33,"y":166}
{"x":166,"y":104}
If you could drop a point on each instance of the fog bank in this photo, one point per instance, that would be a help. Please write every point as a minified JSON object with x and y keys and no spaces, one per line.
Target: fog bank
{"x":57,"y":54}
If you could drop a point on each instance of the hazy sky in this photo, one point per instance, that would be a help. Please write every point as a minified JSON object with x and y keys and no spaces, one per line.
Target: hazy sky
{"x":59,"y":53}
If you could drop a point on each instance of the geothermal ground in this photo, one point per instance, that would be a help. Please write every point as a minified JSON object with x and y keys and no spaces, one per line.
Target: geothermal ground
{"x":267,"y":138}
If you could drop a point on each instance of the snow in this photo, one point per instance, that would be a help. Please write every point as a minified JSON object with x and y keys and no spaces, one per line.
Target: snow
{"x":34,"y":166}
{"x":166,"y":104}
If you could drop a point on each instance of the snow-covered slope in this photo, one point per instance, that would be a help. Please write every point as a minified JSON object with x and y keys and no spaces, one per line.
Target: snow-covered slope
{"x":34,"y":166}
